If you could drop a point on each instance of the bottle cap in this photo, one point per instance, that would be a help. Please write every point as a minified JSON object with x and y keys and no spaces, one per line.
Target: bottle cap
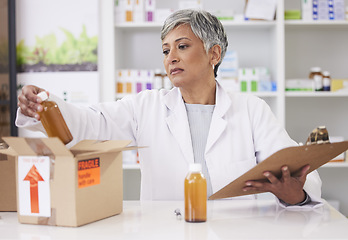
{"x":326,"y":73}
{"x":315,"y":69}
{"x":43,"y":95}
{"x":195,"y":167}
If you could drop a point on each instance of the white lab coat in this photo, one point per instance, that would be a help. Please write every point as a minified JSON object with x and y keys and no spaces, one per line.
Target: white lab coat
{"x":243,"y":132}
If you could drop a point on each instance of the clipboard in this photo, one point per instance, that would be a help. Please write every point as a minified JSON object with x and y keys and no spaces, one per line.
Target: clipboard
{"x":294,"y":157}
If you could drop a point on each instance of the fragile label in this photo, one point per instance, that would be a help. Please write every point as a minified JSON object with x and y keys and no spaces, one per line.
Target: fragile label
{"x":34,"y":186}
{"x":88,"y":172}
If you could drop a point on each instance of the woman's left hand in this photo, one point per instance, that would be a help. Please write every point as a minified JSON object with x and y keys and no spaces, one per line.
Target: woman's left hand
{"x":287,"y":188}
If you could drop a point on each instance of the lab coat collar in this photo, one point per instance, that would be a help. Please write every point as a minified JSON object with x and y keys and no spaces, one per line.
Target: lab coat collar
{"x":178,"y":124}
{"x":218,"y":123}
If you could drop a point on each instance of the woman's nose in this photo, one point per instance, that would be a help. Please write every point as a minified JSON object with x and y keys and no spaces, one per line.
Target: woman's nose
{"x":172,"y":57}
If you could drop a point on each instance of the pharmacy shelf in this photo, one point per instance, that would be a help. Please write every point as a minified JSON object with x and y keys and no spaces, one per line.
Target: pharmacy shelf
{"x":315,"y":94}
{"x":266,"y":94}
{"x":227,"y":24}
{"x":132,"y":25}
{"x":131,"y":166}
{"x":315,"y":23}
{"x":249,"y":24}
{"x":263,"y":94}
{"x":258,"y":94}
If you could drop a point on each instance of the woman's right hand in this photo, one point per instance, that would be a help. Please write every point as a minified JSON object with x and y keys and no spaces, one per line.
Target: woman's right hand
{"x":28,"y":101}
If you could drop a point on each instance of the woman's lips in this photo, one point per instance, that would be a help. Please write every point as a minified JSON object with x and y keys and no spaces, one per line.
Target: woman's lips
{"x":176,"y":71}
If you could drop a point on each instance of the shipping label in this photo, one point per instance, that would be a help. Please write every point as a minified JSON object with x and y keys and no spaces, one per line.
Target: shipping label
{"x":88,"y":172}
{"x":34,"y":186}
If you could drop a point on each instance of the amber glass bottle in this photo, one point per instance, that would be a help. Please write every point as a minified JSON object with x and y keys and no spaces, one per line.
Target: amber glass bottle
{"x":195,"y":195}
{"x":53,"y":121}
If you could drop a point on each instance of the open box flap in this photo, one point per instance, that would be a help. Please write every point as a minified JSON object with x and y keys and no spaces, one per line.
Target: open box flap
{"x":8,"y":151}
{"x":95,"y":146}
{"x":37,"y":146}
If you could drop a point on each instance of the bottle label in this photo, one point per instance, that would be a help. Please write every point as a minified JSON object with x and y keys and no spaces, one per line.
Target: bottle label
{"x":326,"y":82}
{"x":318,"y":82}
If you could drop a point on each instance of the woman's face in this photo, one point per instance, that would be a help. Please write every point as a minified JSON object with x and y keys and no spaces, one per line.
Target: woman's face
{"x":186,"y":62}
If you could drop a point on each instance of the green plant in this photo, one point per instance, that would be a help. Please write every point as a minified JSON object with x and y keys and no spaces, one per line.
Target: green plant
{"x":79,"y":50}
{"x":71,"y":51}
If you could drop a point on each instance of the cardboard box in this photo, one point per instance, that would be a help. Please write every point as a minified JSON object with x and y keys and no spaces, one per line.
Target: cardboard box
{"x":8,"y":197}
{"x":62,"y":187}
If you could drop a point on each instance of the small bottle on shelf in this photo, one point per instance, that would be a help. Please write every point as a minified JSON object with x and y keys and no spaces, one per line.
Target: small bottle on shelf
{"x":195,"y":194}
{"x":158,"y":79}
{"x":317,"y":77}
{"x":52,"y":120}
{"x":326,"y":81}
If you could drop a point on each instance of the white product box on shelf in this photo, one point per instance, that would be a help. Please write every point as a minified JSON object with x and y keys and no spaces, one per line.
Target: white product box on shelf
{"x":124,"y":11}
{"x":150,"y":8}
{"x":306,"y":9}
{"x":139,"y":11}
{"x":229,"y":65}
{"x":161,"y":14}
{"x":191,"y":4}
{"x":299,"y":85}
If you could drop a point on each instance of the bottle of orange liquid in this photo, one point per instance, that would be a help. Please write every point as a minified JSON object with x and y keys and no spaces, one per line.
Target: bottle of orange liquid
{"x":195,"y":195}
{"x":53,"y":121}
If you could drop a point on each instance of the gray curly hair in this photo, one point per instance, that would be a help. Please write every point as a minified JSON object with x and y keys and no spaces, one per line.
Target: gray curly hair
{"x":203,"y":24}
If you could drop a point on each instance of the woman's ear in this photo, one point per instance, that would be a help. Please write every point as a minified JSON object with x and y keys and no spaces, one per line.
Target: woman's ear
{"x":215,"y":52}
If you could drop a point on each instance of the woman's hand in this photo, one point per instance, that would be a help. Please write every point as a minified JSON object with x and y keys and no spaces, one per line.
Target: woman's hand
{"x":288,"y":189}
{"x":28,"y":101}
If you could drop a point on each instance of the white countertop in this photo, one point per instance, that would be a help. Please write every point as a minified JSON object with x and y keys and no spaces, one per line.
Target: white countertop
{"x":227,"y":219}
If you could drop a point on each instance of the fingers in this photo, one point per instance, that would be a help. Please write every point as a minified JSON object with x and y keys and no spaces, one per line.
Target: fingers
{"x":304,"y":170}
{"x":263,"y":186}
{"x":28,"y":101}
{"x":257,"y":186}
{"x":286,"y":187}
{"x":273,"y":179}
{"x":303,"y":173}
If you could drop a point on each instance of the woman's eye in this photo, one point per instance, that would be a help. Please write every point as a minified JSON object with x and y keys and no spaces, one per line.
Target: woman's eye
{"x":183,"y":46}
{"x":165,"y":52}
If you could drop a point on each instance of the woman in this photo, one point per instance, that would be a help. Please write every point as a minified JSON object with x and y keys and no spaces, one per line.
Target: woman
{"x":196,"y":121}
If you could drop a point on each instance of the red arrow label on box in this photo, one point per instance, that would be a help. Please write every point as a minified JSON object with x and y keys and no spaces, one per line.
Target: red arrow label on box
{"x":33,"y":176}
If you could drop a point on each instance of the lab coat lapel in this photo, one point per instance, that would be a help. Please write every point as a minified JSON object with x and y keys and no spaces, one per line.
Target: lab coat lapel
{"x":178,"y":124}
{"x":218,"y":124}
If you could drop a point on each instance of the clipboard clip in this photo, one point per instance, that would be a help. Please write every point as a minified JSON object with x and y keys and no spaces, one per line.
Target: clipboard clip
{"x":319,"y":135}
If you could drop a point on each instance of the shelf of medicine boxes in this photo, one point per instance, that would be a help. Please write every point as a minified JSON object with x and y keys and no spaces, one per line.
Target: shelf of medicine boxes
{"x":316,"y":94}
{"x":315,"y":23}
{"x":252,"y":24}
{"x":258,"y":94}
{"x":263,"y":94}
